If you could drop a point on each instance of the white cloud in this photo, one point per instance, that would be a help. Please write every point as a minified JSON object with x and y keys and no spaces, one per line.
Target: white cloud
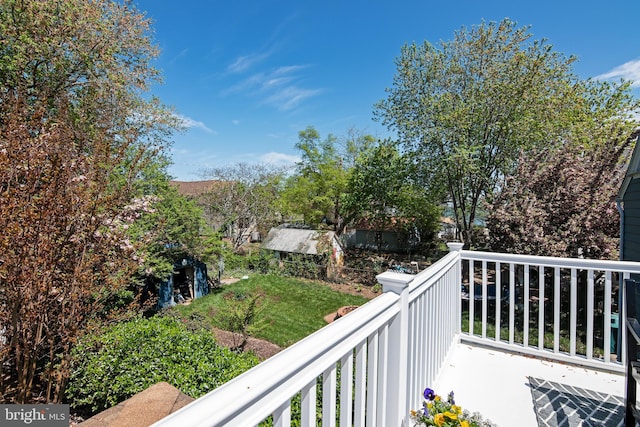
{"x":243,"y":63}
{"x":179,"y":56}
{"x":235,"y":122}
{"x":278,"y":87}
{"x":289,"y":97}
{"x":279,"y":159}
{"x":628,"y":71}
{"x":188,"y":122}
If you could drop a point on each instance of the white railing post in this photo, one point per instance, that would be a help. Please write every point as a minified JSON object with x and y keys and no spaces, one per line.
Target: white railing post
{"x":457,"y":247}
{"x":396,"y":411}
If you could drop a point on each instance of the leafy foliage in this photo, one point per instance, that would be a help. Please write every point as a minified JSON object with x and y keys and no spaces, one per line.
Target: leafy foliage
{"x":75,"y":132}
{"x":172,"y":228}
{"x":317,"y":189}
{"x":561,"y":203}
{"x":242,"y":314}
{"x":382,"y":190}
{"x":129,"y":357}
{"x":470,"y":107}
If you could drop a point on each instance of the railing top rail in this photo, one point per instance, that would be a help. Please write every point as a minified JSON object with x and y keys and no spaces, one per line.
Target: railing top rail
{"x":250,"y":387}
{"x":431,"y":274}
{"x":579,"y":263}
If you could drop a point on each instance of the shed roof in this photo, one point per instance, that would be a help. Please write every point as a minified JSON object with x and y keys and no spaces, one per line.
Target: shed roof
{"x":296,"y":240}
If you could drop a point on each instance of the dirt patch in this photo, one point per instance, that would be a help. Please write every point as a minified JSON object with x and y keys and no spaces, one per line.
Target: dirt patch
{"x":342,"y":311}
{"x":353,"y":289}
{"x":261,"y":348}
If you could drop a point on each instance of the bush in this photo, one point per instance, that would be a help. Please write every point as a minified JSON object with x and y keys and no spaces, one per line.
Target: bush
{"x":242,"y":314}
{"x":129,"y":357}
{"x":256,"y":261}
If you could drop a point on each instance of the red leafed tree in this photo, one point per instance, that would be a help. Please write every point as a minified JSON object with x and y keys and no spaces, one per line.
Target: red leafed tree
{"x":75,"y":133}
{"x":561,"y":202}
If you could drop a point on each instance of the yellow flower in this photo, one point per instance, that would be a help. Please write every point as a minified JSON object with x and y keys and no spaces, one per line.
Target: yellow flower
{"x":464,"y":423}
{"x":457,"y":409}
{"x":437,"y":399}
{"x":450,"y":415}
{"x":413,"y":413}
{"x":439,"y":420}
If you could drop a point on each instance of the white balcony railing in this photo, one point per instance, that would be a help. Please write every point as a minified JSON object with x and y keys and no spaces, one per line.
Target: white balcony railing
{"x":377,"y":360}
{"x":558,"y":308}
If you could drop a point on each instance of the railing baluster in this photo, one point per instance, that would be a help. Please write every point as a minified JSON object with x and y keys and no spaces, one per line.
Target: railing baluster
{"x":382,"y":374}
{"x":329,"y":397}
{"x":512,"y":302}
{"x":525,"y":300}
{"x":607,"y":317}
{"x":541,"y":304}
{"x":308,"y":405}
{"x":622,"y":314}
{"x":573,"y":312}
{"x":372,"y":379}
{"x":590,"y":313}
{"x":423,"y":371}
{"x":556,"y":310}
{"x":346,"y":389}
{"x":282,"y":415}
{"x":472,"y":286}
{"x":484,"y":299}
{"x":498,"y":298}
{"x":360,"y":398}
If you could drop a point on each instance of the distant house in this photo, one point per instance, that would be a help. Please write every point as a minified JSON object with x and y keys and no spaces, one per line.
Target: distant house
{"x":210,"y":194}
{"x":448,"y":229}
{"x":322,"y":246}
{"x":188,"y":282}
{"x":196,"y":188}
{"x":393,"y":237}
{"x":629,"y":207}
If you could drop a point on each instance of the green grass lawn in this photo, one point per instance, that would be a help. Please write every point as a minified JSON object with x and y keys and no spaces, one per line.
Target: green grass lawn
{"x":293,"y":308}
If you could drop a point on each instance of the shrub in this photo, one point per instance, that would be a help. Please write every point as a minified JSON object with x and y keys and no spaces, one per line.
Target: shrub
{"x":242,"y":314}
{"x":129,"y":357}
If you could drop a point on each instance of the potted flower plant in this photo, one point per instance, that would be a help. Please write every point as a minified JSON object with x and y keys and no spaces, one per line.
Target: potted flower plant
{"x":445,"y":413}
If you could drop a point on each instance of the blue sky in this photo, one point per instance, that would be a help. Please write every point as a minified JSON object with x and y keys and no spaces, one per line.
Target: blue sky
{"x":247,"y":75}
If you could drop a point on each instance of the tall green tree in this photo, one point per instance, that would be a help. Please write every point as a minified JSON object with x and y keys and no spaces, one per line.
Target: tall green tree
{"x":383,"y":190}
{"x":173,"y":227}
{"x":469,"y":107}
{"x":77,"y":128}
{"x":315,"y":190}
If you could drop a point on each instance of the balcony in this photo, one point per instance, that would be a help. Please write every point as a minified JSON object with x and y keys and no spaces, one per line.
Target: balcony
{"x":491,"y":327}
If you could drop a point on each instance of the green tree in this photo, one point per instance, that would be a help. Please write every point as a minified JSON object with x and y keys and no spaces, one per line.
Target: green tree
{"x":382,"y":189}
{"x":76,"y":131}
{"x":470,"y":107}
{"x":173,"y":227}
{"x":317,"y":188}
